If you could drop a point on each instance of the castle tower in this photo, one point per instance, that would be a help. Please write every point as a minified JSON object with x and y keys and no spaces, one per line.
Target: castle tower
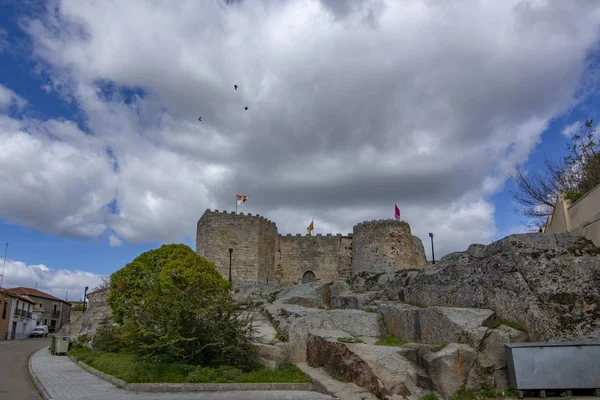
{"x":252,"y":238}
{"x":384,"y":246}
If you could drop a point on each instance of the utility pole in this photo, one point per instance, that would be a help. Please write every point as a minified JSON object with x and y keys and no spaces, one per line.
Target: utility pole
{"x":3,"y":265}
{"x":230,"y":251}
{"x":432,"y":253}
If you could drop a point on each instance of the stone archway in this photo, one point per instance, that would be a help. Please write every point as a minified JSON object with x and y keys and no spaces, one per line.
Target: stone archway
{"x":308,"y":277}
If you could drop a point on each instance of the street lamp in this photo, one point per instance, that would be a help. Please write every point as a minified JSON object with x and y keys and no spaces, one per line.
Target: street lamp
{"x":432,"y":253}
{"x":84,"y":295}
{"x":230,"y":251}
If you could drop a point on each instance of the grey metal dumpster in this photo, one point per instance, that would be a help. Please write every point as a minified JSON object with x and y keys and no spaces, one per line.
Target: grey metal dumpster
{"x":62,"y":345}
{"x":559,"y":365}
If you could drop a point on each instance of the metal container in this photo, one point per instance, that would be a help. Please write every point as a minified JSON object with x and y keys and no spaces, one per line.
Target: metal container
{"x":560,"y":365}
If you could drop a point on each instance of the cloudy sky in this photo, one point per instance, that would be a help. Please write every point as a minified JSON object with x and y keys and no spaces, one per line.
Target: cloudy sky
{"x":354,"y":106}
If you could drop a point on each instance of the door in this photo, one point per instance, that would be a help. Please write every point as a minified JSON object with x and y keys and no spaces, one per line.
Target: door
{"x":13,"y":332}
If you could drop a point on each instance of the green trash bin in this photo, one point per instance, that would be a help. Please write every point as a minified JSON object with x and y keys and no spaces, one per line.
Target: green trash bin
{"x":53,"y":345}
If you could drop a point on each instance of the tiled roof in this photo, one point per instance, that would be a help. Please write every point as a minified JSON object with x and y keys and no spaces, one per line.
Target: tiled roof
{"x":17,"y":295}
{"x":36,"y":293}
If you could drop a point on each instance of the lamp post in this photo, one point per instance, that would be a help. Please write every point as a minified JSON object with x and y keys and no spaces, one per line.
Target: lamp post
{"x":84,"y":295}
{"x":230,"y":251}
{"x":432,"y":253}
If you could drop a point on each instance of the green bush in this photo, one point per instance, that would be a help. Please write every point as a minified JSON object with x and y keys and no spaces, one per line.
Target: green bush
{"x":109,"y":338}
{"x":173,"y":305}
{"x":429,"y":396}
{"x":391,"y":340}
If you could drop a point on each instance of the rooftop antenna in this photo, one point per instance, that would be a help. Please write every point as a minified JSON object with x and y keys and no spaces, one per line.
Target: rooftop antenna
{"x":66,"y":295}
{"x":36,"y":286}
{"x":3,"y":265}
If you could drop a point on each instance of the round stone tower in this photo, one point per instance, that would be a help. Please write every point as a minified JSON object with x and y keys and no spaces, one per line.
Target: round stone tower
{"x":384,"y":246}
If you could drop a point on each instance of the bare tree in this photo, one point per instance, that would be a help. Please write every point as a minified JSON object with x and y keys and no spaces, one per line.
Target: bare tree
{"x":104,"y":285}
{"x":572,"y":177}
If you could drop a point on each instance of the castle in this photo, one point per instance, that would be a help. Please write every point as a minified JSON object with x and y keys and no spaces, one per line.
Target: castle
{"x":260,"y":253}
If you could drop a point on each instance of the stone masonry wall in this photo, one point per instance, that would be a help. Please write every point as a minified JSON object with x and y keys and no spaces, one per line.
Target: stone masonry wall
{"x":384,"y":245}
{"x":246,"y":234}
{"x":328,"y":257}
{"x":260,"y":254}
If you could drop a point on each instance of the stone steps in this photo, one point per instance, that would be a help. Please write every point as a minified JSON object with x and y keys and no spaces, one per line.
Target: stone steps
{"x":325,"y":383}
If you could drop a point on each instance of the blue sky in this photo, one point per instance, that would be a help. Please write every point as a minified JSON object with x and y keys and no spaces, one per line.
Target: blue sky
{"x":354,"y":106}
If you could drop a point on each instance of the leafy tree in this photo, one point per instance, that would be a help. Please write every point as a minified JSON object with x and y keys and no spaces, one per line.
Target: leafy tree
{"x":571,"y":177}
{"x":175,"y":306}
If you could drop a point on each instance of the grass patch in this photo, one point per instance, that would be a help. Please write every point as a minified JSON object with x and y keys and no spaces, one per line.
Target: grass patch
{"x":486,"y":393}
{"x":281,"y":337}
{"x":495,"y":323}
{"x":131,"y":369}
{"x":429,"y":396}
{"x":391,"y":340}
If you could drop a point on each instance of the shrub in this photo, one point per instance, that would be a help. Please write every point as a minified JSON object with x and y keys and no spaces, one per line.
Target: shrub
{"x":173,"y":305}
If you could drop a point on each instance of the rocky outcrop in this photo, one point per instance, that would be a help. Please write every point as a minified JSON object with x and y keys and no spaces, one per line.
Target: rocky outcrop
{"x":548,"y":284}
{"x":96,"y":313}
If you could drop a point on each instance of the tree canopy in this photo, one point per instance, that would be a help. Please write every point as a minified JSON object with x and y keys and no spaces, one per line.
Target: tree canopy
{"x":173,"y":305}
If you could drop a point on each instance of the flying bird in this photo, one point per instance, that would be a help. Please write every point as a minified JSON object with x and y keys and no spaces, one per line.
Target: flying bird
{"x":235,"y":87}
{"x":245,"y":108}
{"x":199,"y":118}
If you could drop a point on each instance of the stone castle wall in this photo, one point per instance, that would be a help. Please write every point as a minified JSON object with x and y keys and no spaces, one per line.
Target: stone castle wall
{"x":327,"y":257}
{"x":384,"y":246}
{"x":260,"y":254}
{"x":252,"y":238}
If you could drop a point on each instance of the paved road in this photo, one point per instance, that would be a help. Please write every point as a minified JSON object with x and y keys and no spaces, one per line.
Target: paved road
{"x":62,"y":379}
{"x":15,"y":383}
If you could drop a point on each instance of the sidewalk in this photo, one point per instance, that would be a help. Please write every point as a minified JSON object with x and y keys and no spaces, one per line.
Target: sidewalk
{"x":58,"y":378}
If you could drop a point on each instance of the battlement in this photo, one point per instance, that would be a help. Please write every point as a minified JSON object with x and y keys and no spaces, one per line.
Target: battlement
{"x":219,"y":213}
{"x":378,"y":223}
{"x":314,"y":236}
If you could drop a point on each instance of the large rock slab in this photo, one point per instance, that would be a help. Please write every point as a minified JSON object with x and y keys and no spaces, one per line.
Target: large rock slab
{"x":550,"y":284}
{"x":356,"y":323}
{"x":306,"y":295}
{"x":381,"y":370}
{"x":449,"y":368}
{"x":435,"y":325}
{"x":263,"y":330}
{"x":283,"y":315}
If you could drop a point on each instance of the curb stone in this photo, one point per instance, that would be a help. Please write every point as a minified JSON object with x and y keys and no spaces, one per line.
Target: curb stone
{"x":36,"y":382}
{"x":190,"y":387}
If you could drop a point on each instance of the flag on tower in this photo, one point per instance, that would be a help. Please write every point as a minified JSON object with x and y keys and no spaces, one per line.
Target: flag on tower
{"x":397,"y":212}
{"x":311,"y":227}
{"x":241,"y":199}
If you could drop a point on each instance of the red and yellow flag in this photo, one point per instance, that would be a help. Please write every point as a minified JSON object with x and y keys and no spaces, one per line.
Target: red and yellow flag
{"x":311,"y":227}
{"x":241,"y":199}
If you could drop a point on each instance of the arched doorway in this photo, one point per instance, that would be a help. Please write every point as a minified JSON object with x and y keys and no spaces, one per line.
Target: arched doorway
{"x":308,"y":277}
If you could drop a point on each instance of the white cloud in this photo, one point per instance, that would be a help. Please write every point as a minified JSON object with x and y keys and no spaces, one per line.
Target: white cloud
{"x":570,"y":130}
{"x":114,"y":241}
{"x":353,"y":108}
{"x":9,"y":98}
{"x":62,"y":283}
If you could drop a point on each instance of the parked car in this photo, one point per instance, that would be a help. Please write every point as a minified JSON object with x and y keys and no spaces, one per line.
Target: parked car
{"x":39,"y":331}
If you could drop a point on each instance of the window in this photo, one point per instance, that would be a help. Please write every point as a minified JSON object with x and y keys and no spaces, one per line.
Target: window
{"x":54,"y":309}
{"x":45,"y":322}
{"x":4,"y":310}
